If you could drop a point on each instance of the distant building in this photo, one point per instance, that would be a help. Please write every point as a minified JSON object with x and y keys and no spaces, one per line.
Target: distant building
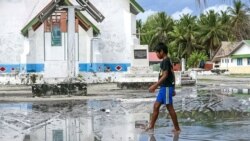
{"x":153,"y":59}
{"x":234,"y":57}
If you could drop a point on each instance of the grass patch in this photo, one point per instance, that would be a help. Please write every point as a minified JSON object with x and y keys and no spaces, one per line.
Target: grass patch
{"x":241,"y":95}
{"x":239,"y":75}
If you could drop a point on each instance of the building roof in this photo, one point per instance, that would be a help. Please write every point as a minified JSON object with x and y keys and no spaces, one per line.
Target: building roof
{"x":49,"y":6}
{"x":225,"y":50}
{"x":153,"y":57}
{"x":229,"y":48}
{"x":135,"y":7}
{"x":90,"y":8}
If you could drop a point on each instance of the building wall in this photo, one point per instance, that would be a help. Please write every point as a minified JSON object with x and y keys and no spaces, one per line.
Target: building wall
{"x":245,"y":49}
{"x":239,"y":70}
{"x":111,"y":53}
{"x":230,"y":64}
{"x":225,"y":63}
{"x":34,"y":52}
{"x":13,"y":15}
{"x":116,"y":34}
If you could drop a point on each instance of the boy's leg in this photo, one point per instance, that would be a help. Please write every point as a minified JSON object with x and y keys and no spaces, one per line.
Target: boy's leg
{"x":173,"y":115}
{"x":157,"y":106}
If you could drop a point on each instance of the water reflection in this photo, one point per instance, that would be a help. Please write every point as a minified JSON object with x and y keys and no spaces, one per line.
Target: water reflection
{"x":235,"y":91}
{"x":116,"y":120}
{"x":159,"y":137}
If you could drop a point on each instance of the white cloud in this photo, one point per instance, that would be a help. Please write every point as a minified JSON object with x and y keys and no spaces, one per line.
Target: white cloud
{"x":143,"y":16}
{"x":178,"y":14}
{"x":217,"y":8}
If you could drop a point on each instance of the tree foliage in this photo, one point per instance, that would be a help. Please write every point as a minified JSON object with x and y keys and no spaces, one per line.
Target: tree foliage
{"x":197,"y":36}
{"x":195,"y":58}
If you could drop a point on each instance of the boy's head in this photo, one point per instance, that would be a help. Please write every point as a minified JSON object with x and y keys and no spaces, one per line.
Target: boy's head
{"x":161,"y":50}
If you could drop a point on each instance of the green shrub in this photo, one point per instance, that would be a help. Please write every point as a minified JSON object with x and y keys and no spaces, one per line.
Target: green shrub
{"x":195,"y":58}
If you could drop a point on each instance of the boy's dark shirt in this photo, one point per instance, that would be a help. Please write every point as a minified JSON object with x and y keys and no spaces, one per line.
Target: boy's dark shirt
{"x":166,"y":65}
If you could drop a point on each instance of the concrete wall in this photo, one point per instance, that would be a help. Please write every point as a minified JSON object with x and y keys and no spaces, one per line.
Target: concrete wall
{"x":139,"y":62}
{"x":13,"y":15}
{"x":116,"y":34}
{"x":239,"y":70}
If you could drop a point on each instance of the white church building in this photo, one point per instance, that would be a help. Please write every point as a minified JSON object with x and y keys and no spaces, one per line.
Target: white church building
{"x":36,"y":36}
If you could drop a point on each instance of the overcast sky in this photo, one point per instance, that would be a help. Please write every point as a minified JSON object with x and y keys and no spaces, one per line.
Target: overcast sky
{"x":175,"y":8}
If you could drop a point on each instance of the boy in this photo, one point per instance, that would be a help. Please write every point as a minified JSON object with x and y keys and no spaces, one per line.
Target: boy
{"x":167,"y":83}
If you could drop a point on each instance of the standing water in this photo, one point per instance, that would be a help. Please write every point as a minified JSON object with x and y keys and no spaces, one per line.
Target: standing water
{"x":207,"y":114}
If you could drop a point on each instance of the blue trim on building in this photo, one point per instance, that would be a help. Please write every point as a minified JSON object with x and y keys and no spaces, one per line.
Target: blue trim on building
{"x":8,"y":68}
{"x":83,"y":67}
{"x":34,"y":67}
{"x":103,"y":67}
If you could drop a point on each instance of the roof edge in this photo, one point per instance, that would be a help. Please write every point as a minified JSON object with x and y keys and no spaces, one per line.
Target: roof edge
{"x":137,"y":6}
{"x":95,"y":29}
{"x":25,"y":29}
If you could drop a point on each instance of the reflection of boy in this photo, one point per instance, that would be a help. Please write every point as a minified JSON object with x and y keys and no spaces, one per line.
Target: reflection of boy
{"x":167,"y":88}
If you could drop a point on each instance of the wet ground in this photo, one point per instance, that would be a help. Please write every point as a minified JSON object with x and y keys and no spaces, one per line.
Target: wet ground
{"x":210,"y":111}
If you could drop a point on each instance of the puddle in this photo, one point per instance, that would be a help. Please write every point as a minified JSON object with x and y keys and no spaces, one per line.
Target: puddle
{"x":203,"y":115}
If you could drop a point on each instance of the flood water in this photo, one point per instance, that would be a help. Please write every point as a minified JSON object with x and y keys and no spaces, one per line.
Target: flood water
{"x":204,"y":115}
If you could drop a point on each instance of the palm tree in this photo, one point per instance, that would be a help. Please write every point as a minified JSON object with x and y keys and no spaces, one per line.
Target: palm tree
{"x":225,"y":20}
{"x":138,"y":27}
{"x":156,"y":28}
{"x":211,"y":31}
{"x":240,"y":20}
{"x":184,"y":36}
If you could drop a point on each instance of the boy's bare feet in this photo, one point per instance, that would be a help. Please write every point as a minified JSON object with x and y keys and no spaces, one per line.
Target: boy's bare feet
{"x":149,"y":130}
{"x":176,"y":131}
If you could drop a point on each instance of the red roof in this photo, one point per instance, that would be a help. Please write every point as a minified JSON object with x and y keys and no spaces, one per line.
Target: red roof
{"x":153,"y":57}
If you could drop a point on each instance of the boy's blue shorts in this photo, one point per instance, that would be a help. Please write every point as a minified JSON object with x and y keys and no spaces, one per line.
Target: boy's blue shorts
{"x":165,"y":95}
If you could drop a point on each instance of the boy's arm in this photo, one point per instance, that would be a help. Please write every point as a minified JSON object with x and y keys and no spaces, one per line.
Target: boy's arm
{"x":160,"y":81}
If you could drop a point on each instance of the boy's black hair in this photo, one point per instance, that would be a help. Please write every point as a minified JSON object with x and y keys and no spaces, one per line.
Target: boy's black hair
{"x":161,"y":46}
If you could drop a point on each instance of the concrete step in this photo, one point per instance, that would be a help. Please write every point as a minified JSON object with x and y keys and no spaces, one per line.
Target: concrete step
{"x":141,"y":75}
{"x":186,"y":78}
{"x":184,"y":75}
{"x":188,"y":82}
{"x":15,"y":88}
{"x":16,"y":93}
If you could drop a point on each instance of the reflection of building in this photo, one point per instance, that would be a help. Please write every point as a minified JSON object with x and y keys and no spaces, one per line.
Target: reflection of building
{"x":87,"y":129}
{"x":69,"y":129}
{"x":235,"y":91}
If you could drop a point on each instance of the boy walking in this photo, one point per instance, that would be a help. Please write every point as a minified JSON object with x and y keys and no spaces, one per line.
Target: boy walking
{"x":166,"y":82}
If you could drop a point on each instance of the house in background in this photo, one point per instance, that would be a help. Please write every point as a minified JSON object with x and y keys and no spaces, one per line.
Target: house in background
{"x":234,"y":57}
{"x":223,"y":54}
{"x":154,"y":61}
